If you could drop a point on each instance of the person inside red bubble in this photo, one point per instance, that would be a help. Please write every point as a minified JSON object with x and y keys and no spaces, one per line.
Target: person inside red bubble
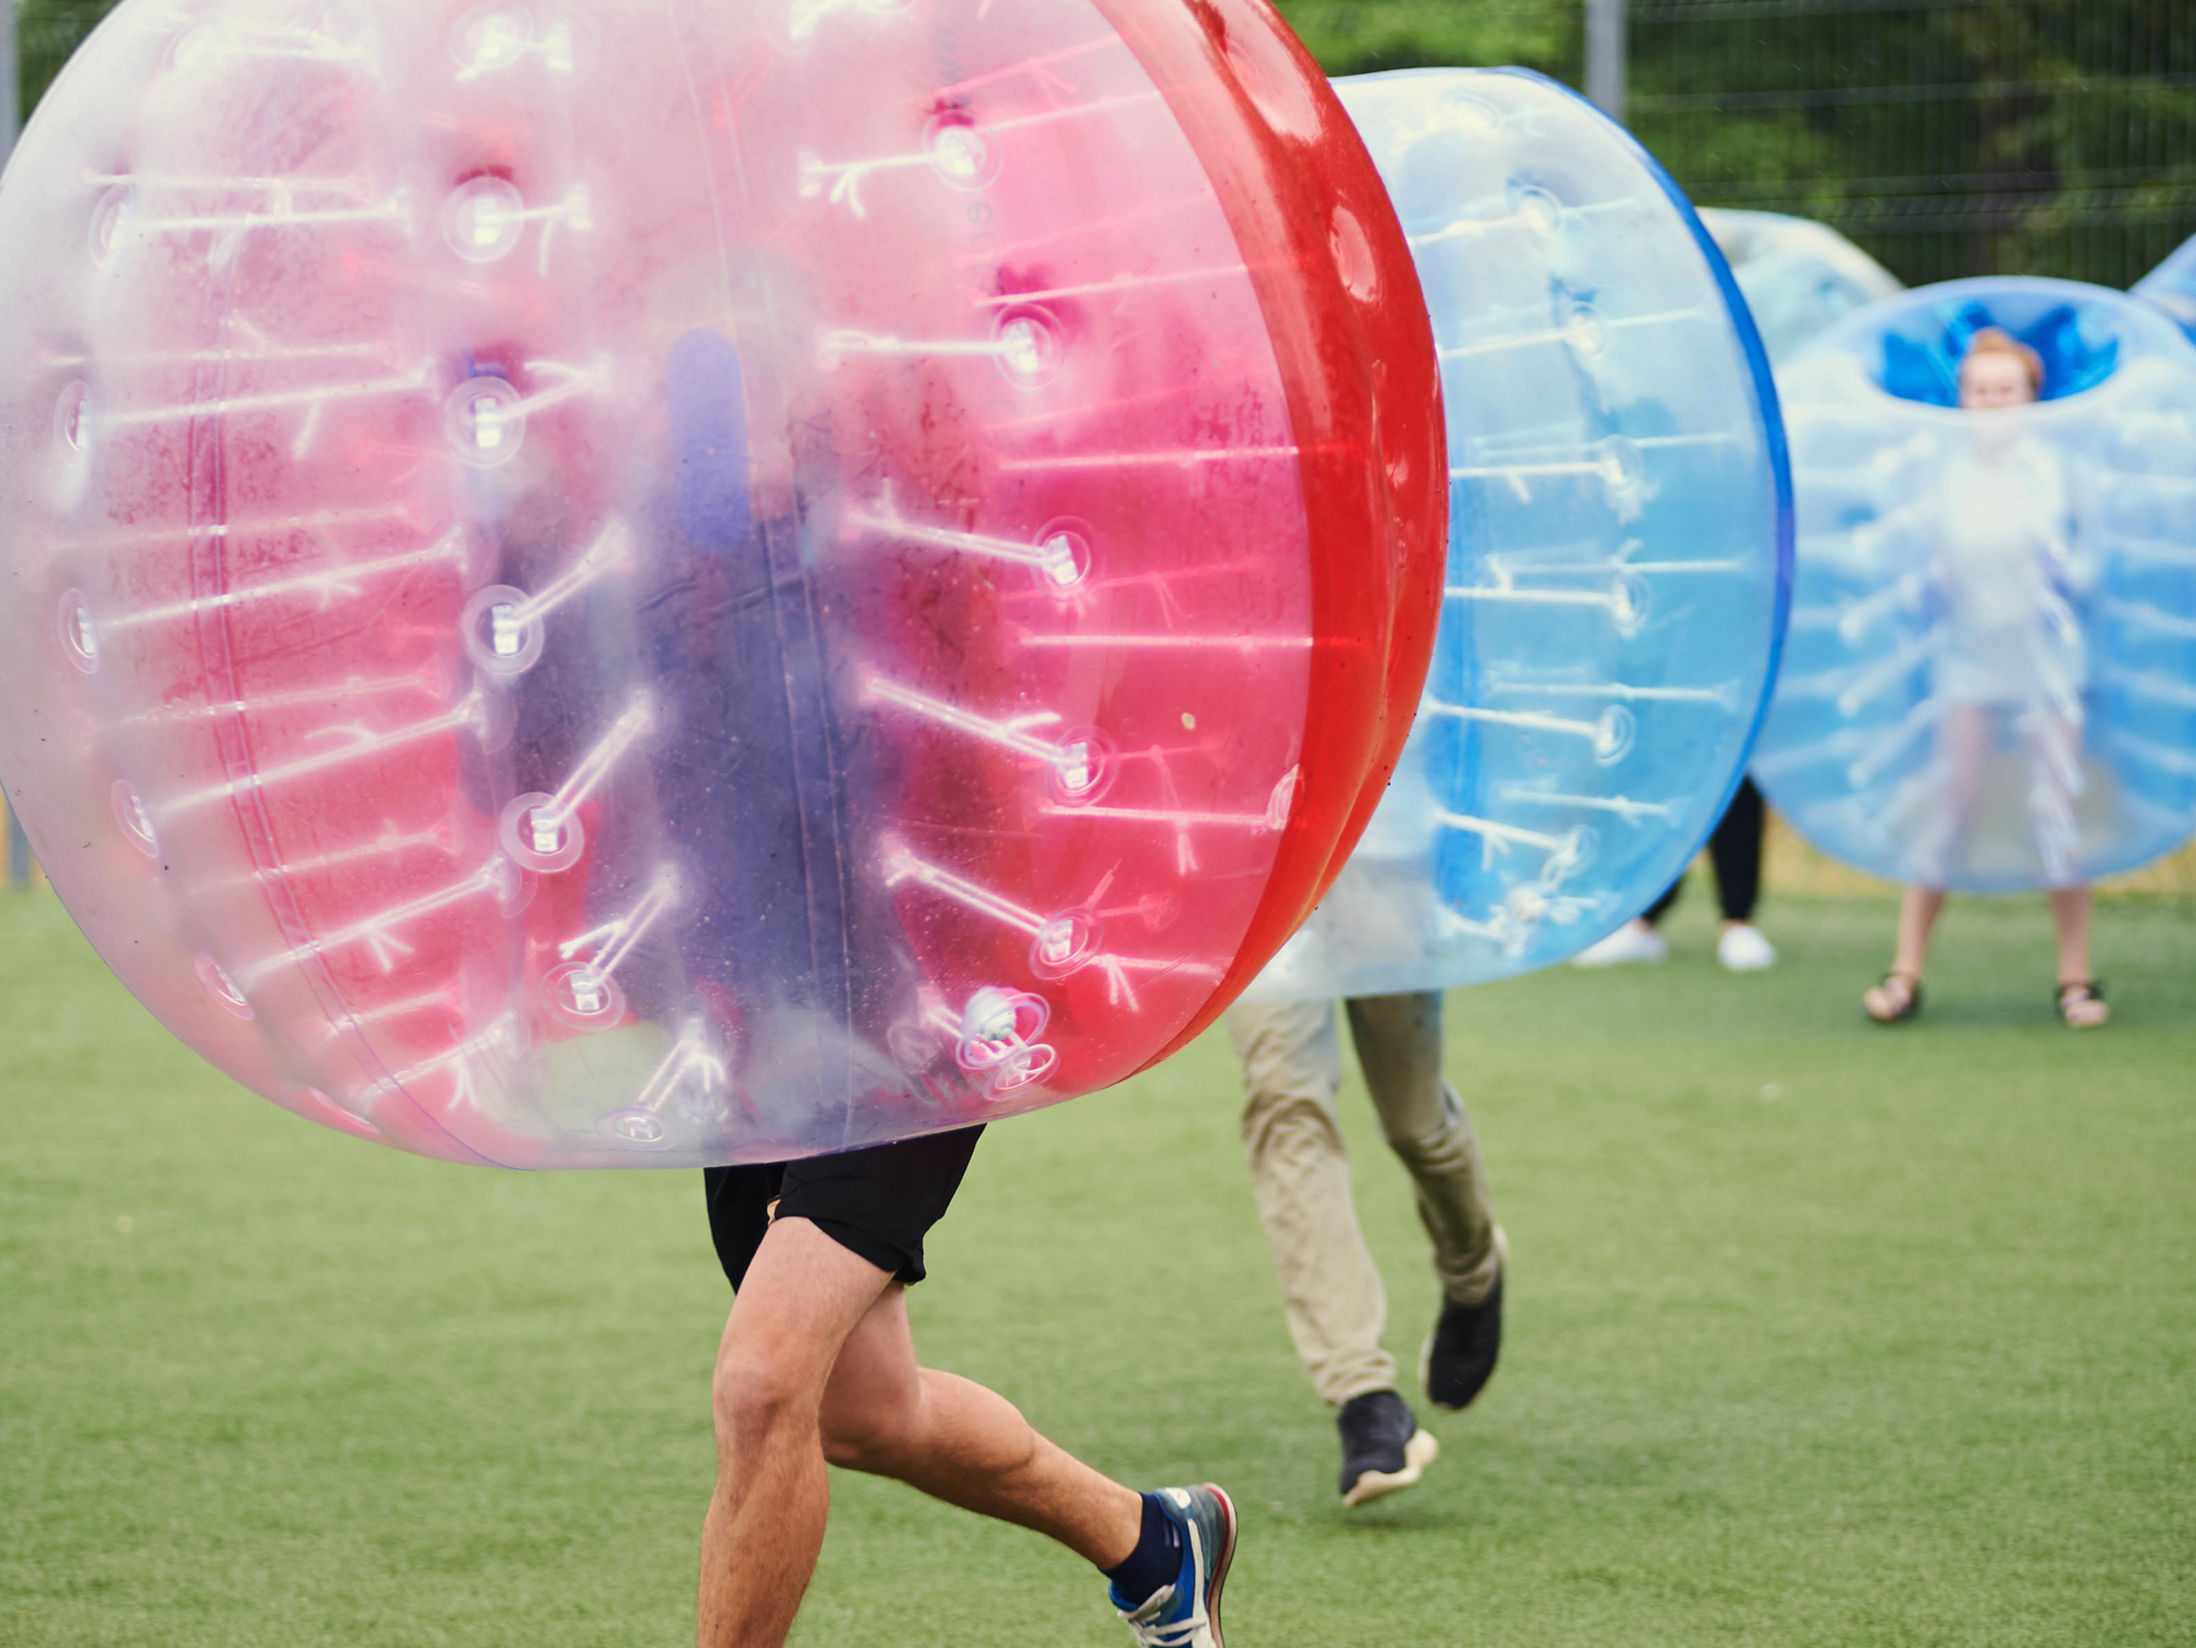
{"x":818,"y":1365}
{"x":2010,"y":653}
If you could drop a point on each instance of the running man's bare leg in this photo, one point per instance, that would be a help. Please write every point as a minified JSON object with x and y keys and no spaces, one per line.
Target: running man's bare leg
{"x":956,"y":1441}
{"x":818,"y":1362}
{"x":803,"y":1295}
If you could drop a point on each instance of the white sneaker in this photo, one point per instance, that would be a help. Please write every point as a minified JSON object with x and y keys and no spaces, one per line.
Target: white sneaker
{"x":1742,"y":949}
{"x":1635,"y":941}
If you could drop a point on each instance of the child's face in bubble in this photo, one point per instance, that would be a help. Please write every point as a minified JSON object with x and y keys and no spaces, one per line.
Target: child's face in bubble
{"x":1992,"y":381}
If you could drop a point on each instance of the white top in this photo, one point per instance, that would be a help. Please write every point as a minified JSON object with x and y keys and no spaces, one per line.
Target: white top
{"x":2004,"y":563}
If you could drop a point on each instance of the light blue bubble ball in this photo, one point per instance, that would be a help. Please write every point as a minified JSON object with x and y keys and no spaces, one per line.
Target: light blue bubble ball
{"x":1798,"y":277}
{"x":1620,"y":544}
{"x":2172,"y":286}
{"x":1991,"y":679}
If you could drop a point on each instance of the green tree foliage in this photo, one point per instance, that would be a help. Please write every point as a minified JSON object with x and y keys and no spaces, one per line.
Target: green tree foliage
{"x":1365,"y":36}
{"x":1949,"y":137}
{"x":46,"y":31}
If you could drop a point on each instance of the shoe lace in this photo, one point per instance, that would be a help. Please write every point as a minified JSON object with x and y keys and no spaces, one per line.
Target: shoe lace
{"x":1193,"y":1630}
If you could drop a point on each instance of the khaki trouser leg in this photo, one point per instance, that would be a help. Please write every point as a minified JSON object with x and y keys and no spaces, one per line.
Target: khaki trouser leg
{"x":1300,"y":1173}
{"x":1399,"y":1048}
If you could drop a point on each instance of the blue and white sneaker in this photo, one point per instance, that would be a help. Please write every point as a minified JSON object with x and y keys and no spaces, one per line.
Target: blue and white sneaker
{"x":1186,"y":1614}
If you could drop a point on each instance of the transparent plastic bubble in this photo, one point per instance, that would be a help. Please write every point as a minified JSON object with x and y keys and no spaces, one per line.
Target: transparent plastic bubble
{"x":1994,"y":623}
{"x":2172,"y":286}
{"x":716,"y":648}
{"x":1799,"y":277}
{"x":1619,"y":550}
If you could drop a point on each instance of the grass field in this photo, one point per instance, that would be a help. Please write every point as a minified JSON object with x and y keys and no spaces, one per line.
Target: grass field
{"x":1820,"y":1335}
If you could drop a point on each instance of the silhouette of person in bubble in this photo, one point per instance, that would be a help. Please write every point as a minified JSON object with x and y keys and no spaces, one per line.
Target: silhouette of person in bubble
{"x":787,"y":933}
{"x":2010,"y":651}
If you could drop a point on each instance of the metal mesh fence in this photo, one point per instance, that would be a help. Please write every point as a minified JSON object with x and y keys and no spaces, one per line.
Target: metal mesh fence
{"x":1948,"y":137}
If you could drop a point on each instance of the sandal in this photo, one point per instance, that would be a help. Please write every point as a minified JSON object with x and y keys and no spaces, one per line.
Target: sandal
{"x":2081,"y":1005}
{"x":1902,"y":991}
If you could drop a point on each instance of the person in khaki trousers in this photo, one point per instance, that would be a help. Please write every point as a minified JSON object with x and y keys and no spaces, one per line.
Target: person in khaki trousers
{"x":1300,"y":1170}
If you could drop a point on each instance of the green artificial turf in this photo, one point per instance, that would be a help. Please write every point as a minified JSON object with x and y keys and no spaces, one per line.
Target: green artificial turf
{"x":1819,"y":1334}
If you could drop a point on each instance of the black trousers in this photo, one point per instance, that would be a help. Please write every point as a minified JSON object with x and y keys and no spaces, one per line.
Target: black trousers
{"x":1735,"y":850}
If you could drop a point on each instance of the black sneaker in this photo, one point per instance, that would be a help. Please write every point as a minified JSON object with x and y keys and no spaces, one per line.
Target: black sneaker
{"x":1461,"y":1351}
{"x":1382,"y":1447}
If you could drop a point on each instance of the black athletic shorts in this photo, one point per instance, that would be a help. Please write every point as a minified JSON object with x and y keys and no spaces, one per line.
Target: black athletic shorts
{"x":877,"y":1203}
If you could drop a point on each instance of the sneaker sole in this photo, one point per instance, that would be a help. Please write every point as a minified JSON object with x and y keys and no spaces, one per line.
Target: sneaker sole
{"x":1419,"y":1452}
{"x":1746,"y":966}
{"x":1220,"y":1567}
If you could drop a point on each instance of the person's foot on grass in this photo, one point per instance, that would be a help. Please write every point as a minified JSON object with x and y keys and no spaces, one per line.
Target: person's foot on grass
{"x":1633,"y":942}
{"x":2082,"y":1004}
{"x":1383,"y":1446}
{"x":1895,"y":1000}
{"x":1743,"y":949}
{"x":1186,"y":1614}
{"x":1461,"y":1351}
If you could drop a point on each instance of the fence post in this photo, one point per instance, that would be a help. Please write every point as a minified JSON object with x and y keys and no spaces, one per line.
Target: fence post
{"x":1605,"y":56}
{"x":11,"y":81}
